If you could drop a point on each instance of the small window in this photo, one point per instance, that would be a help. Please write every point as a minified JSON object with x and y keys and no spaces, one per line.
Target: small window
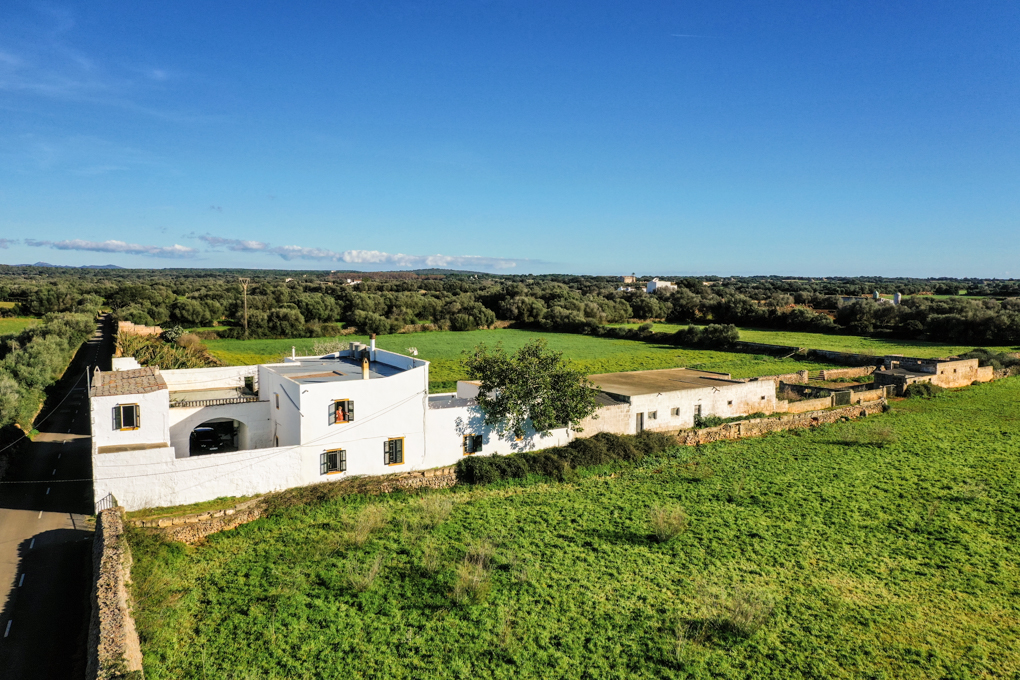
{"x":277,"y":439}
{"x":472,"y":444}
{"x":675,"y":412}
{"x":332,"y":462}
{"x":393,"y":451}
{"x":763,"y":397}
{"x":653,"y":415}
{"x":277,"y":400}
{"x":341,"y":411}
{"x":126,"y":417}
{"x":729,"y":403}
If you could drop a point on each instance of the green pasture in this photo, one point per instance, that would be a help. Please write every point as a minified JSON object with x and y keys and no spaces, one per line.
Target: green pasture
{"x":884,"y":548}
{"x":844,"y":343}
{"x":594,"y":355}
{"x":12,"y":326}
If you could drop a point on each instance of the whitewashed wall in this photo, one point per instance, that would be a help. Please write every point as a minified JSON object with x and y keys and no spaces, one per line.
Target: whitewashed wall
{"x":153,"y":409}
{"x":746,"y":398}
{"x":208,"y":378}
{"x":255,"y":416}
{"x":157,"y":478}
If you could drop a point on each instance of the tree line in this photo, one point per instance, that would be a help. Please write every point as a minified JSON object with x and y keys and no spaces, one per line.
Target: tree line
{"x":317,"y":304}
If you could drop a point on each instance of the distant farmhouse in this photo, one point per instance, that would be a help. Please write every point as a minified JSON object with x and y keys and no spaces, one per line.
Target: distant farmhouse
{"x":899,"y":373}
{"x":656,"y":285}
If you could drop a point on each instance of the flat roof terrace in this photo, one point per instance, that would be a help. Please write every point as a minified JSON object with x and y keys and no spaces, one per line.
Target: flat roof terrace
{"x":331,"y":370}
{"x":635,"y":383}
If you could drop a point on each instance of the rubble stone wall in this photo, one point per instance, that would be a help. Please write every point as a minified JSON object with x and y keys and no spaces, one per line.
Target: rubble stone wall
{"x":113,"y":651}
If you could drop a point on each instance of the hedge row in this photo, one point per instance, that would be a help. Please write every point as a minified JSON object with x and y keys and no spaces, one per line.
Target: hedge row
{"x":560,"y":461}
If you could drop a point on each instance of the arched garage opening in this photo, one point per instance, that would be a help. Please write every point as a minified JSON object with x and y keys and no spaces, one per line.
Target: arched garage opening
{"x":219,"y":435}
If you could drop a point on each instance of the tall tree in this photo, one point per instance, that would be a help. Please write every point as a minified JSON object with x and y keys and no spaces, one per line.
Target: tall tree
{"x":532,"y":384}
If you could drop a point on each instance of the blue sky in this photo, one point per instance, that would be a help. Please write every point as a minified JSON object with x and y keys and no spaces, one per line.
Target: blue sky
{"x":519,"y":137}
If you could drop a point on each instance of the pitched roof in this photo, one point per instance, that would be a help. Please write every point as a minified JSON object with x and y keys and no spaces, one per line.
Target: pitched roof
{"x":134,"y":381}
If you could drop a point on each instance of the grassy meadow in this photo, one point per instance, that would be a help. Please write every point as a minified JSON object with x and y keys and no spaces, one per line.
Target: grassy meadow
{"x":14,"y":325}
{"x":844,"y":343}
{"x":594,"y":355}
{"x":885,"y":548}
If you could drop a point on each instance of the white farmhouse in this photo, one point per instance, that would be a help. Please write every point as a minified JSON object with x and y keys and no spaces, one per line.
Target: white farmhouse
{"x":657,"y":285}
{"x":174,"y":437}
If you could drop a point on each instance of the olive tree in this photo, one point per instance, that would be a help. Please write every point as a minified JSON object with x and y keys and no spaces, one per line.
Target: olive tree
{"x":532,"y":384}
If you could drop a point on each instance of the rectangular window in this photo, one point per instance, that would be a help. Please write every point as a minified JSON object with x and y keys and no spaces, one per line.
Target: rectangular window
{"x":341,"y":411}
{"x":126,"y":417}
{"x":331,"y":462}
{"x":393,"y":451}
{"x":653,"y":415}
{"x":472,"y":444}
{"x":729,"y":403}
{"x":675,"y":413}
{"x":763,"y":397}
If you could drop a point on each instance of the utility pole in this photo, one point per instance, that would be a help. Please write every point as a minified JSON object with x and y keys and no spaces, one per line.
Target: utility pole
{"x":244,"y":288}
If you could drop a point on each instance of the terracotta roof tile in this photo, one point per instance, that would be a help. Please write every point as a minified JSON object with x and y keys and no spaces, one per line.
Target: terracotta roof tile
{"x":134,"y":381}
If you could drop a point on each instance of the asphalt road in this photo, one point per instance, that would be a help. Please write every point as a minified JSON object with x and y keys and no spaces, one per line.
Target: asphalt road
{"x":45,"y":535}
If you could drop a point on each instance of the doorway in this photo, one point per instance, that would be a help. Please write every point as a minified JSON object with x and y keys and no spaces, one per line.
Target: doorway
{"x":639,"y":425}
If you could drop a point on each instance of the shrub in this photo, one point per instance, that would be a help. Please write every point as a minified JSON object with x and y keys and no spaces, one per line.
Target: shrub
{"x":434,"y":510}
{"x":649,"y":442}
{"x":371,"y":518}
{"x":472,"y":579}
{"x":743,"y":612}
{"x":923,"y":390}
{"x":667,"y":522}
{"x":701,"y":422}
{"x":172,"y":334}
{"x":617,"y":447}
{"x":361,"y":577}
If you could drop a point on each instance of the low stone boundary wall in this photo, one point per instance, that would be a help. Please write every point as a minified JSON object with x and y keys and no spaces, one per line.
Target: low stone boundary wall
{"x":799,"y":377}
{"x":113,"y":651}
{"x":758,"y":427}
{"x":809,"y":405}
{"x":867,"y":395}
{"x":193,"y":528}
{"x":856,"y":372}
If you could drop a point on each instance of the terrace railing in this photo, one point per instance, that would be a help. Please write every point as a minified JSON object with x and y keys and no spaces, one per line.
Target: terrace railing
{"x":193,"y":403}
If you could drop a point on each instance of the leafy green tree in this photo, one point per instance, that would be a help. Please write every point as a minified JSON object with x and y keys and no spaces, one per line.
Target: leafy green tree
{"x":532,"y":384}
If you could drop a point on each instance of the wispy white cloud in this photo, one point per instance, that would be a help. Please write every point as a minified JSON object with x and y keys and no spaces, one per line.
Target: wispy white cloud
{"x":8,"y":242}
{"x":373,"y":257}
{"x":112,"y":246}
{"x":237,"y":245}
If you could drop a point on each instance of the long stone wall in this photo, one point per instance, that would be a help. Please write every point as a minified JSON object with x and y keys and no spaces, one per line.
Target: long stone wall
{"x":114,"y":650}
{"x":855,"y":372}
{"x":761,"y":426}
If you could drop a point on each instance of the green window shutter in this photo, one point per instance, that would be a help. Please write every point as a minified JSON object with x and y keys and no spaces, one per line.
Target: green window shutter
{"x":116,"y":417}
{"x":350,"y":411}
{"x":386,"y":453}
{"x":464,"y":445}
{"x":138,"y":416}
{"x":478,"y":443}
{"x":398,"y":450}
{"x":322,"y":464}
{"x":332,"y":413}
{"x":342,"y":462}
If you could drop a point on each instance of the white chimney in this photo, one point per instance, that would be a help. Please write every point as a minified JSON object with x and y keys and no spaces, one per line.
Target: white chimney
{"x":372,"y":340}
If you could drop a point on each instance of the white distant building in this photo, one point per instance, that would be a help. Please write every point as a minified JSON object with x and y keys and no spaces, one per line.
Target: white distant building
{"x":656,"y":285}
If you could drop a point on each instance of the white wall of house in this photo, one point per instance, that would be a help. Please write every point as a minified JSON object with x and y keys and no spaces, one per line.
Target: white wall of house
{"x":255,"y":417}
{"x":154,"y":420}
{"x":220,"y":377}
{"x":446,"y":428}
{"x":384,"y":408}
{"x":726,"y":401}
{"x":284,"y":407}
{"x":157,"y":478}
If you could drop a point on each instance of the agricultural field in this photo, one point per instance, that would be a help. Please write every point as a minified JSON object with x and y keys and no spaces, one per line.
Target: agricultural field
{"x":843,"y":343}
{"x":594,"y":355}
{"x":13,"y":326}
{"x":863,"y":549}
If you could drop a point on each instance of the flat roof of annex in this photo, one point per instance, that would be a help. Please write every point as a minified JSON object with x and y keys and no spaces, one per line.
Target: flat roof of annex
{"x":310,"y":371}
{"x":636,"y":383}
{"x":133,"y":381}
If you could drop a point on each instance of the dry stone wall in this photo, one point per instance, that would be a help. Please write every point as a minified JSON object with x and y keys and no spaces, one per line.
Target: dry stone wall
{"x":855,"y":372}
{"x":762,"y":426}
{"x":114,"y":651}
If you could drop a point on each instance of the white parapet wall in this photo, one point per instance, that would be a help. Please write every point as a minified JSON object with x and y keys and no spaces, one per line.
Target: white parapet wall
{"x":157,"y":478}
{"x":221,"y":377}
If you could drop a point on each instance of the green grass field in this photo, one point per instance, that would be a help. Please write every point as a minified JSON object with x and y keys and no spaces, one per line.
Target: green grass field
{"x":12,"y":326}
{"x":885,"y":548}
{"x":844,"y":343}
{"x":595,"y":355}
